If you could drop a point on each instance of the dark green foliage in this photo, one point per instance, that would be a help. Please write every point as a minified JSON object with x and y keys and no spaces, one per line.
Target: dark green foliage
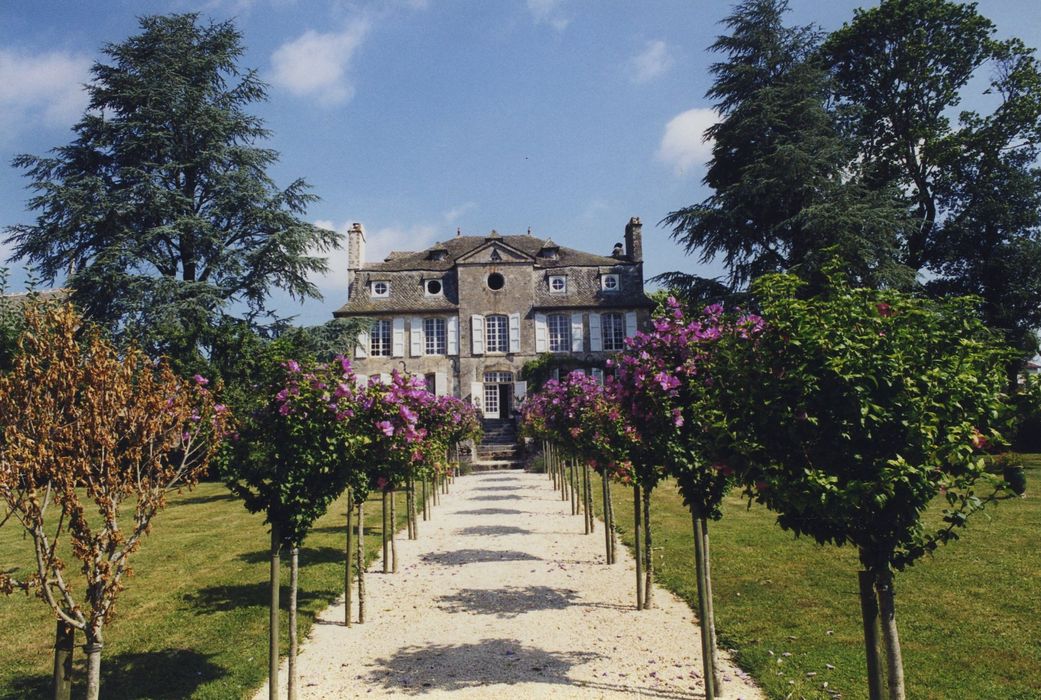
{"x":161,"y":208}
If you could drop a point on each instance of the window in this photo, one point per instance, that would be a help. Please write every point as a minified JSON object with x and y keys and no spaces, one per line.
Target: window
{"x":433,"y":288}
{"x":496,"y":281}
{"x":496,"y":333}
{"x":379,"y":338}
{"x":381,"y":289}
{"x":609,"y":283}
{"x":498,"y":377}
{"x":559,"y":327}
{"x":613,"y":328}
{"x":435,"y":336}
{"x":558,"y":284}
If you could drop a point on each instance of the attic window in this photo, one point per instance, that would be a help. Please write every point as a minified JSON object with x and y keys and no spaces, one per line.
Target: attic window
{"x":558,"y":284}
{"x":381,"y":289}
{"x":433,"y":288}
{"x":438,"y":254}
{"x":496,"y":281}
{"x":550,"y":253}
{"x":609,"y":283}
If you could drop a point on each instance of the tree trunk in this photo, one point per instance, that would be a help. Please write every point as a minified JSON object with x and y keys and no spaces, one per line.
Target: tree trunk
{"x":648,"y":552}
{"x":64,"y":645}
{"x":386,"y":538}
{"x":272,"y":647}
{"x":717,"y":678}
{"x":890,"y":637}
{"x":393,"y":528}
{"x":361,"y":562}
{"x":590,"y":510}
{"x":425,"y":516}
{"x":294,"y":572}
{"x":573,"y":490}
{"x":93,"y":651}
{"x":869,"y":615}
{"x":609,"y":556}
{"x":610,"y":519}
{"x":549,"y":465}
{"x":585,"y":498}
{"x":707,"y":656}
{"x":637,"y":546}
{"x":348,"y":589}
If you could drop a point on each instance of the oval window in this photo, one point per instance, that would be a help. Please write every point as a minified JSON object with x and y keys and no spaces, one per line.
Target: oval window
{"x":496,"y":281}
{"x":433,"y":287}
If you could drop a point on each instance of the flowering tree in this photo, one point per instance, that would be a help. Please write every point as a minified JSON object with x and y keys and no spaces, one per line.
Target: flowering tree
{"x":851,"y":413}
{"x":87,"y":424}
{"x":292,"y":456}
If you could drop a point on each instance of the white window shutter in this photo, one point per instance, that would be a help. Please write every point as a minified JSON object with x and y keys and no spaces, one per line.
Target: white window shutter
{"x":576,"y":332}
{"x":440,"y":383}
{"x":630,"y":324}
{"x":477,"y":394}
{"x":520,"y":390}
{"x":361,"y":379}
{"x":598,"y":375}
{"x":477,"y":334}
{"x":362,"y":349}
{"x":514,"y":332}
{"x":398,"y":346}
{"x":453,"y":335}
{"x":596,"y":338}
{"x":416,"y":337}
{"x":541,"y":334}
{"x":384,"y":378}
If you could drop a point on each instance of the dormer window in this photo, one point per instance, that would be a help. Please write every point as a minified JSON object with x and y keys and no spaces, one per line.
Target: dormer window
{"x":381,"y":289}
{"x":433,"y":288}
{"x":438,"y":254}
{"x":558,"y":284}
{"x":549,"y":250}
{"x":609,"y":283}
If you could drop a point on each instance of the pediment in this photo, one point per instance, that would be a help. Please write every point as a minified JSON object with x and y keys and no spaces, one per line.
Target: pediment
{"x":494,"y":252}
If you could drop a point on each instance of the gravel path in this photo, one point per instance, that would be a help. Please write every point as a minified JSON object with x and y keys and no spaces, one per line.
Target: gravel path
{"x":502,"y":596}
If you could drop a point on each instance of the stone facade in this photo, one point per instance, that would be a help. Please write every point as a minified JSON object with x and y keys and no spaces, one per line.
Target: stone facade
{"x":469,"y":312}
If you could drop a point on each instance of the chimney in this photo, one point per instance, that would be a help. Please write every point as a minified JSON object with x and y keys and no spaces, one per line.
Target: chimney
{"x":634,"y":239}
{"x":355,"y":252}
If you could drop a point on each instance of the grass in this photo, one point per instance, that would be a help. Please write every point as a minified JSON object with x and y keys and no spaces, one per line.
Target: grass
{"x":969,"y":617}
{"x":192,"y":621}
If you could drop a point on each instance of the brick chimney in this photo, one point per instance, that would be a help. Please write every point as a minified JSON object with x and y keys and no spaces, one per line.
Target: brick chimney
{"x":634,"y":239}
{"x":355,"y":251}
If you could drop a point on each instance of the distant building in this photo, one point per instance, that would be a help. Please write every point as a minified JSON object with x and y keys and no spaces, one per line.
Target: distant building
{"x":469,"y":312}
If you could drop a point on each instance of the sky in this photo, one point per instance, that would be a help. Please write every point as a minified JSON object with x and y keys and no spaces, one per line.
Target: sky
{"x":421,"y":118}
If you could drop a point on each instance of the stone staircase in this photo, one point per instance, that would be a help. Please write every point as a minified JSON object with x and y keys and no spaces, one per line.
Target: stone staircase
{"x":498,"y":448}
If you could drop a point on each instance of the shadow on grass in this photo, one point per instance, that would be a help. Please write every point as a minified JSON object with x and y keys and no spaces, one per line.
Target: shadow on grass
{"x":458,"y":557}
{"x":309,"y":556}
{"x":199,"y":500}
{"x":491,"y":511}
{"x":509,"y":602}
{"x":170,"y":673}
{"x":493,"y":530}
{"x":507,"y":497}
{"x":217,"y":599}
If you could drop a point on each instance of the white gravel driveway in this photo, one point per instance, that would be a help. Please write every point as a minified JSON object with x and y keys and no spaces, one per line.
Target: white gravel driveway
{"x":503,"y":596}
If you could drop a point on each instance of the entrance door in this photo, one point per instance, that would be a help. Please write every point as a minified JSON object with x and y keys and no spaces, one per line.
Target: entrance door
{"x":491,"y":401}
{"x":505,"y":400}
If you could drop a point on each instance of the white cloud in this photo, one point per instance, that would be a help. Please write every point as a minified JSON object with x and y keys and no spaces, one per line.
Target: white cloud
{"x":455,"y":213}
{"x":684,"y":144}
{"x":41,"y":88}
{"x":316,"y":64}
{"x":655,"y":60}
{"x":548,"y":12}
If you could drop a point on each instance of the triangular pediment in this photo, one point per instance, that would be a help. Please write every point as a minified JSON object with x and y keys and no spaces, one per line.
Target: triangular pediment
{"x":494,"y":252}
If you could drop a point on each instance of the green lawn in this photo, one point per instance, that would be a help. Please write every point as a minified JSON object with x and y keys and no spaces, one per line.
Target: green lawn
{"x":192,"y":621}
{"x":970,"y":617}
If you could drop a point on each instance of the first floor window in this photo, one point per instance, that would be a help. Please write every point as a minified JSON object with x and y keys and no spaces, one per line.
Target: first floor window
{"x":435,"y":336}
{"x":496,"y":333}
{"x":559,"y":328}
{"x":613,"y":328}
{"x":379,"y":338}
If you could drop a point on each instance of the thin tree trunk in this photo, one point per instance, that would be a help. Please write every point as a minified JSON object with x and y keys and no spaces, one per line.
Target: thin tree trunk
{"x":348,"y":588}
{"x":393,"y":528}
{"x":585,"y":499}
{"x":361,"y":562}
{"x":610,"y":516}
{"x":717,"y":679}
{"x":608,"y":556}
{"x":425,"y":516}
{"x":64,"y":646}
{"x":637,"y":546}
{"x":386,"y":539}
{"x":573,"y":486}
{"x":272,"y":647}
{"x":648,"y":552}
{"x":549,"y":465}
{"x":564,"y":486}
{"x":294,"y":577}
{"x":93,"y":650}
{"x":890,"y":636}
{"x":590,"y":509}
{"x":707,"y":657}
{"x":869,"y":615}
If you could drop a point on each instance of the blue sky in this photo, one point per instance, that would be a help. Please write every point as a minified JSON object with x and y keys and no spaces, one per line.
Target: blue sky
{"x":418,"y":117}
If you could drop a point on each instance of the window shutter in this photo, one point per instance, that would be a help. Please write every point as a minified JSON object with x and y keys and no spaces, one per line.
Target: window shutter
{"x":477,"y":334}
{"x":576,"y":332}
{"x":361,"y":380}
{"x":598,"y":375}
{"x":440,"y":383}
{"x":398,"y":345}
{"x":477,"y":394}
{"x":520,"y":390}
{"x":541,"y":334}
{"x":362,"y":348}
{"x":596,"y":337}
{"x":453,"y":335}
{"x":630,"y":324}
{"x":514,"y":332}
{"x":416,"y":337}
{"x":384,"y":378}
